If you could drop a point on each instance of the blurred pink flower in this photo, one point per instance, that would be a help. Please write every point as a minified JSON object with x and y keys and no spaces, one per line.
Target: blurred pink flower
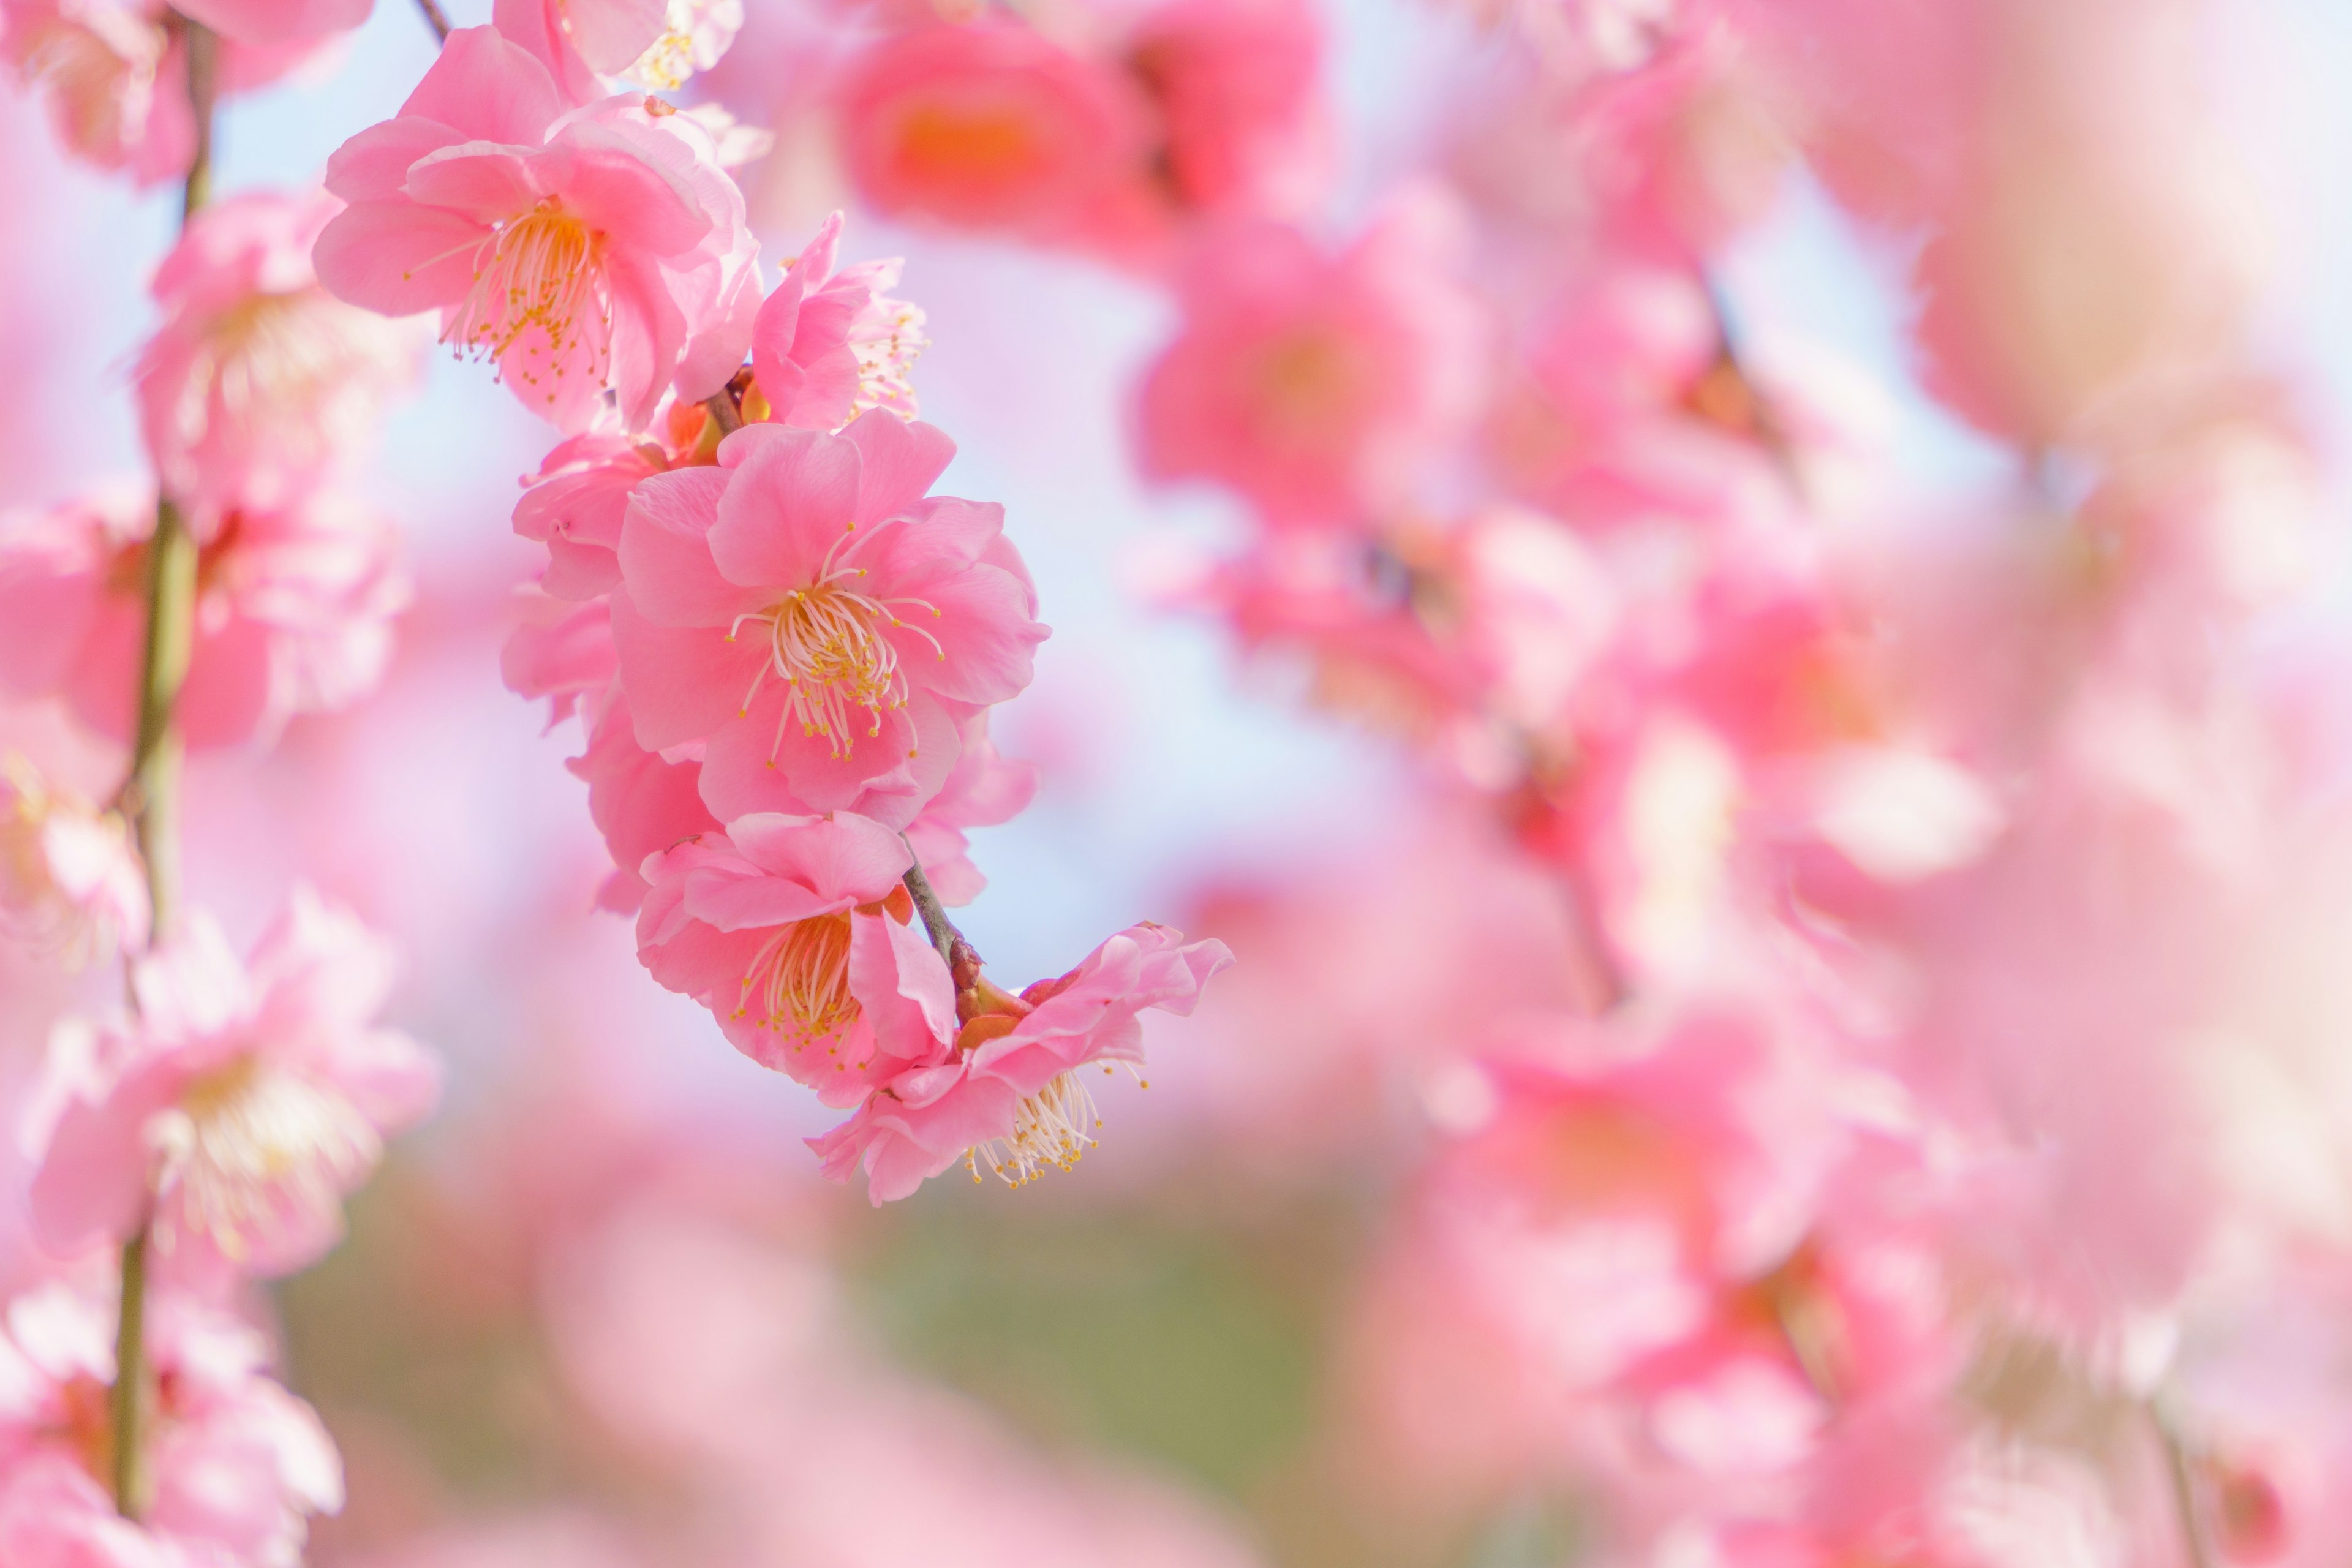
{"x":1009,"y":1094}
{"x":69,"y":879}
{"x":116,"y":78}
{"x":277,"y":21}
{"x":992,"y":125}
{"x":258,"y":382}
{"x":829,"y":345}
{"x":237,"y":1464}
{"x":819,"y":543}
{"x":1317,"y":387}
{"x":294,"y":611}
{"x":239,"y":1106}
{"x":581,"y":250}
{"x":796,"y":933}
{"x":1234,"y":84}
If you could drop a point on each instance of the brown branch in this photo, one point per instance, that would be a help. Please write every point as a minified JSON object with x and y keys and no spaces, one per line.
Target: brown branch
{"x":2195,"y":1549}
{"x":723,"y":410}
{"x":436,"y":17}
{"x":1728,"y":394}
{"x":151,"y":796}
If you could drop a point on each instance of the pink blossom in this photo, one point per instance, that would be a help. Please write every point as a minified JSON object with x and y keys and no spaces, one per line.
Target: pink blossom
{"x":563,"y":651}
{"x":877,"y":619}
{"x":982,"y":790}
{"x":641,"y":802}
{"x":69,"y":879}
{"x":1315,"y":386}
{"x":797,"y":933}
{"x":239,"y":1106}
{"x":992,"y":125}
{"x":829,"y":345}
{"x":574,"y":504}
{"x":1009,"y":1095}
{"x":294,"y":611}
{"x":660,"y":42}
{"x":116,"y":78}
{"x":279,"y":21}
{"x":1235,"y":85}
{"x":236,"y":1463}
{"x":258,"y":382}
{"x":582,"y":249}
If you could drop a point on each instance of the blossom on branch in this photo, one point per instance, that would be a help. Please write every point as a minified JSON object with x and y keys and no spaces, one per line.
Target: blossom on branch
{"x":238,"y":1107}
{"x":1007,"y":1092}
{"x":818,"y":622}
{"x":582,"y":249}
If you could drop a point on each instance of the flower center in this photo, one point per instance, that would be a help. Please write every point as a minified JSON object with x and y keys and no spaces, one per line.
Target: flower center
{"x":1311,"y":389}
{"x":302,"y":362}
{"x":886,"y":339}
{"x":1055,"y":1127}
{"x":538,"y":282}
{"x":88,"y":1424}
{"x":249,"y":1145}
{"x":24,"y":805}
{"x":825,"y":643}
{"x":801,"y":979}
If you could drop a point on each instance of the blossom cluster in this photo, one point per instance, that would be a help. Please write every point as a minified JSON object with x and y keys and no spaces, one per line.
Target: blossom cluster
{"x":1845,"y":1029}
{"x":1886,"y":1165}
{"x":204,"y":1133}
{"x":784,"y":647}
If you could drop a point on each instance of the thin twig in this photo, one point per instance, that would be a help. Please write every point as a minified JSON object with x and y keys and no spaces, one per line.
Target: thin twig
{"x":1729,"y":395}
{"x":436,"y":17}
{"x":203,"y":53}
{"x":723,"y":412}
{"x":2197,"y":1552}
{"x":127,"y":1401}
{"x":944,"y":935}
{"x":151,"y":796}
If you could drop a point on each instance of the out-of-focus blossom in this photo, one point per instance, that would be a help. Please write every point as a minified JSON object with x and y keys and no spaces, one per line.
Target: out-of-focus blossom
{"x":805,"y":611}
{"x":829,"y":345}
{"x":115,"y":77}
{"x":1111,"y":139}
{"x":239,"y":1107}
{"x":279,"y":21}
{"x":293,"y":614}
{"x":1315,"y":386}
{"x":258,"y":382}
{"x":237,"y":1465}
{"x":69,"y":880}
{"x":585,"y":251}
{"x":992,"y":125}
{"x":1233,"y":87}
{"x":1009,"y":1093}
{"x":797,"y":934}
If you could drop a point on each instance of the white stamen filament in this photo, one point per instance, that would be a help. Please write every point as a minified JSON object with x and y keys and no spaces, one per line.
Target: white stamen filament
{"x":296,"y":363}
{"x":825,"y":643}
{"x":801,"y":980}
{"x":542,"y":273}
{"x":886,"y":339}
{"x":1054,"y":1127}
{"x":250,"y":1143}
